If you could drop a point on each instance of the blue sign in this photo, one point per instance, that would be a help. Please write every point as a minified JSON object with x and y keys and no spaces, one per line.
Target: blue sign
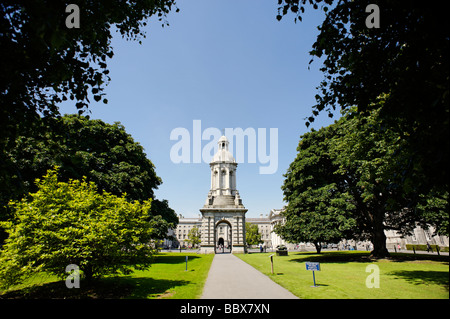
{"x":312,"y":266}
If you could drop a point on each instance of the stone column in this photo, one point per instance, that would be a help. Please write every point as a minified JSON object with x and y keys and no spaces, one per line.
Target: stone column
{"x":220,"y":181}
{"x":227,"y":181}
{"x":212,"y":178}
{"x":207,"y":243}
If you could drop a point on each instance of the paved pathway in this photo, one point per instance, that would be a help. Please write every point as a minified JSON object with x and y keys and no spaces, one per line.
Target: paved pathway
{"x":231,"y":278}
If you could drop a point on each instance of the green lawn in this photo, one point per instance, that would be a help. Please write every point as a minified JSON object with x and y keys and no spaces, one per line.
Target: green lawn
{"x":166,"y":278}
{"x":343,"y":275}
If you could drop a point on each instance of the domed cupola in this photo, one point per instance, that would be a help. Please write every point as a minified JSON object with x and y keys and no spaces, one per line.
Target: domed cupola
{"x":223,"y":154}
{"x":223,"y":178}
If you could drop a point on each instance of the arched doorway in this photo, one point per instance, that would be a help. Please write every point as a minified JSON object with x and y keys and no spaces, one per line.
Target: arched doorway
{"x":223,"y":235}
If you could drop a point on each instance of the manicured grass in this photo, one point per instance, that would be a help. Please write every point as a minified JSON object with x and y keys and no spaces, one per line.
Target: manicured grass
{"x":343,"y":275}
{"x":168,"y":279}
{"x":165,"y":279}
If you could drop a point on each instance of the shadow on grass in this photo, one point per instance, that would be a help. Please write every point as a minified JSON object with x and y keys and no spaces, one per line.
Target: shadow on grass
{"x":420,"y":277}
{"x":363,"y":257}
{"x":156,"y":288}
{"x":399,"y":257}
{"x":162,"y":259}
{"x":106,"y":288}
{"x":333,"y":257}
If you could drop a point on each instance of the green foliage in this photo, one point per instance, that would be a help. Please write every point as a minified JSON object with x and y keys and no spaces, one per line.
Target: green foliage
{"x":434,"y":209}
{"x":318,"y":209}
{"x":161,"y":208}
{"x":406,"y":62}
{"x":375,"y":157}
{"x":43,"y":62}
{"x":72,"y":223}
{"x":194,"y":236}
{"x":347,"y":181}
{"x":105,"y":153}
{"x":252,"y":235}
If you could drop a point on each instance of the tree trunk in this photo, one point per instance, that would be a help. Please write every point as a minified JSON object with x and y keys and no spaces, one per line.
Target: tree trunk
{"x":318,"y":247}
{"x":378,"y":237}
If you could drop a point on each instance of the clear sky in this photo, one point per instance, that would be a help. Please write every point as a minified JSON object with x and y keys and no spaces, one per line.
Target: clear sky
{"x":229,"y":64}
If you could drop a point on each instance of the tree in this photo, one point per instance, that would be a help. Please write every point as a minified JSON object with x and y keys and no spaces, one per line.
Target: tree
{"x":44,"y":62}
{"x":161,"y":208}
{"x":376,"y":154}
{"x":344,"y":183}
{"x":252,"y":235}
{"x":369,"y":155}
{"x":105,"y":153}
{"x":194,"y":236}
{"x":407,"y":61}
{"x":319,"y":208}
{"x":72,"y":223}
{"x":434,"y":210}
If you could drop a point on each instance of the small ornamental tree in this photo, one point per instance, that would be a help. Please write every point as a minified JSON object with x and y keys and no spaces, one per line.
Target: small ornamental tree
{"x":252,"y":234}
{"x":72,"y":223}
{"x":194,"y":236}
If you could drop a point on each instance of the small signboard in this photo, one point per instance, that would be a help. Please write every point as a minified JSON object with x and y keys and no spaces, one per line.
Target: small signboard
{"x":312,"y":266}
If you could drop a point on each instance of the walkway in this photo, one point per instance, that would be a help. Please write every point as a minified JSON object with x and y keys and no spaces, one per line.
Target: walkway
{"x":231,"y":278}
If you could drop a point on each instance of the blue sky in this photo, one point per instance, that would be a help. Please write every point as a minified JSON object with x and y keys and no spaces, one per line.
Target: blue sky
{"x":228,"y":63}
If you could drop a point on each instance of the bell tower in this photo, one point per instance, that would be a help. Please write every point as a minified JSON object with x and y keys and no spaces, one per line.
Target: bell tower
{"x":223,"y":204}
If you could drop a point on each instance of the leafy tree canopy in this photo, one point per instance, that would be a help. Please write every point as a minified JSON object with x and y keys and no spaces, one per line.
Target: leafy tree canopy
{"x":72,"y":223}
{"x":319,"y":208}
{"x":194,"y":236}
{"x":252,"y":235}
{"x":350,"y":174}
{"x":161,"y":208}
{"x":43,"y":62}
{"x":106,"y":154}
{"x":406,"y":59}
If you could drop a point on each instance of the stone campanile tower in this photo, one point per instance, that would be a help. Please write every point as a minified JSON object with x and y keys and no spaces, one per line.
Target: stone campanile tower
{"x":223,"y":207}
